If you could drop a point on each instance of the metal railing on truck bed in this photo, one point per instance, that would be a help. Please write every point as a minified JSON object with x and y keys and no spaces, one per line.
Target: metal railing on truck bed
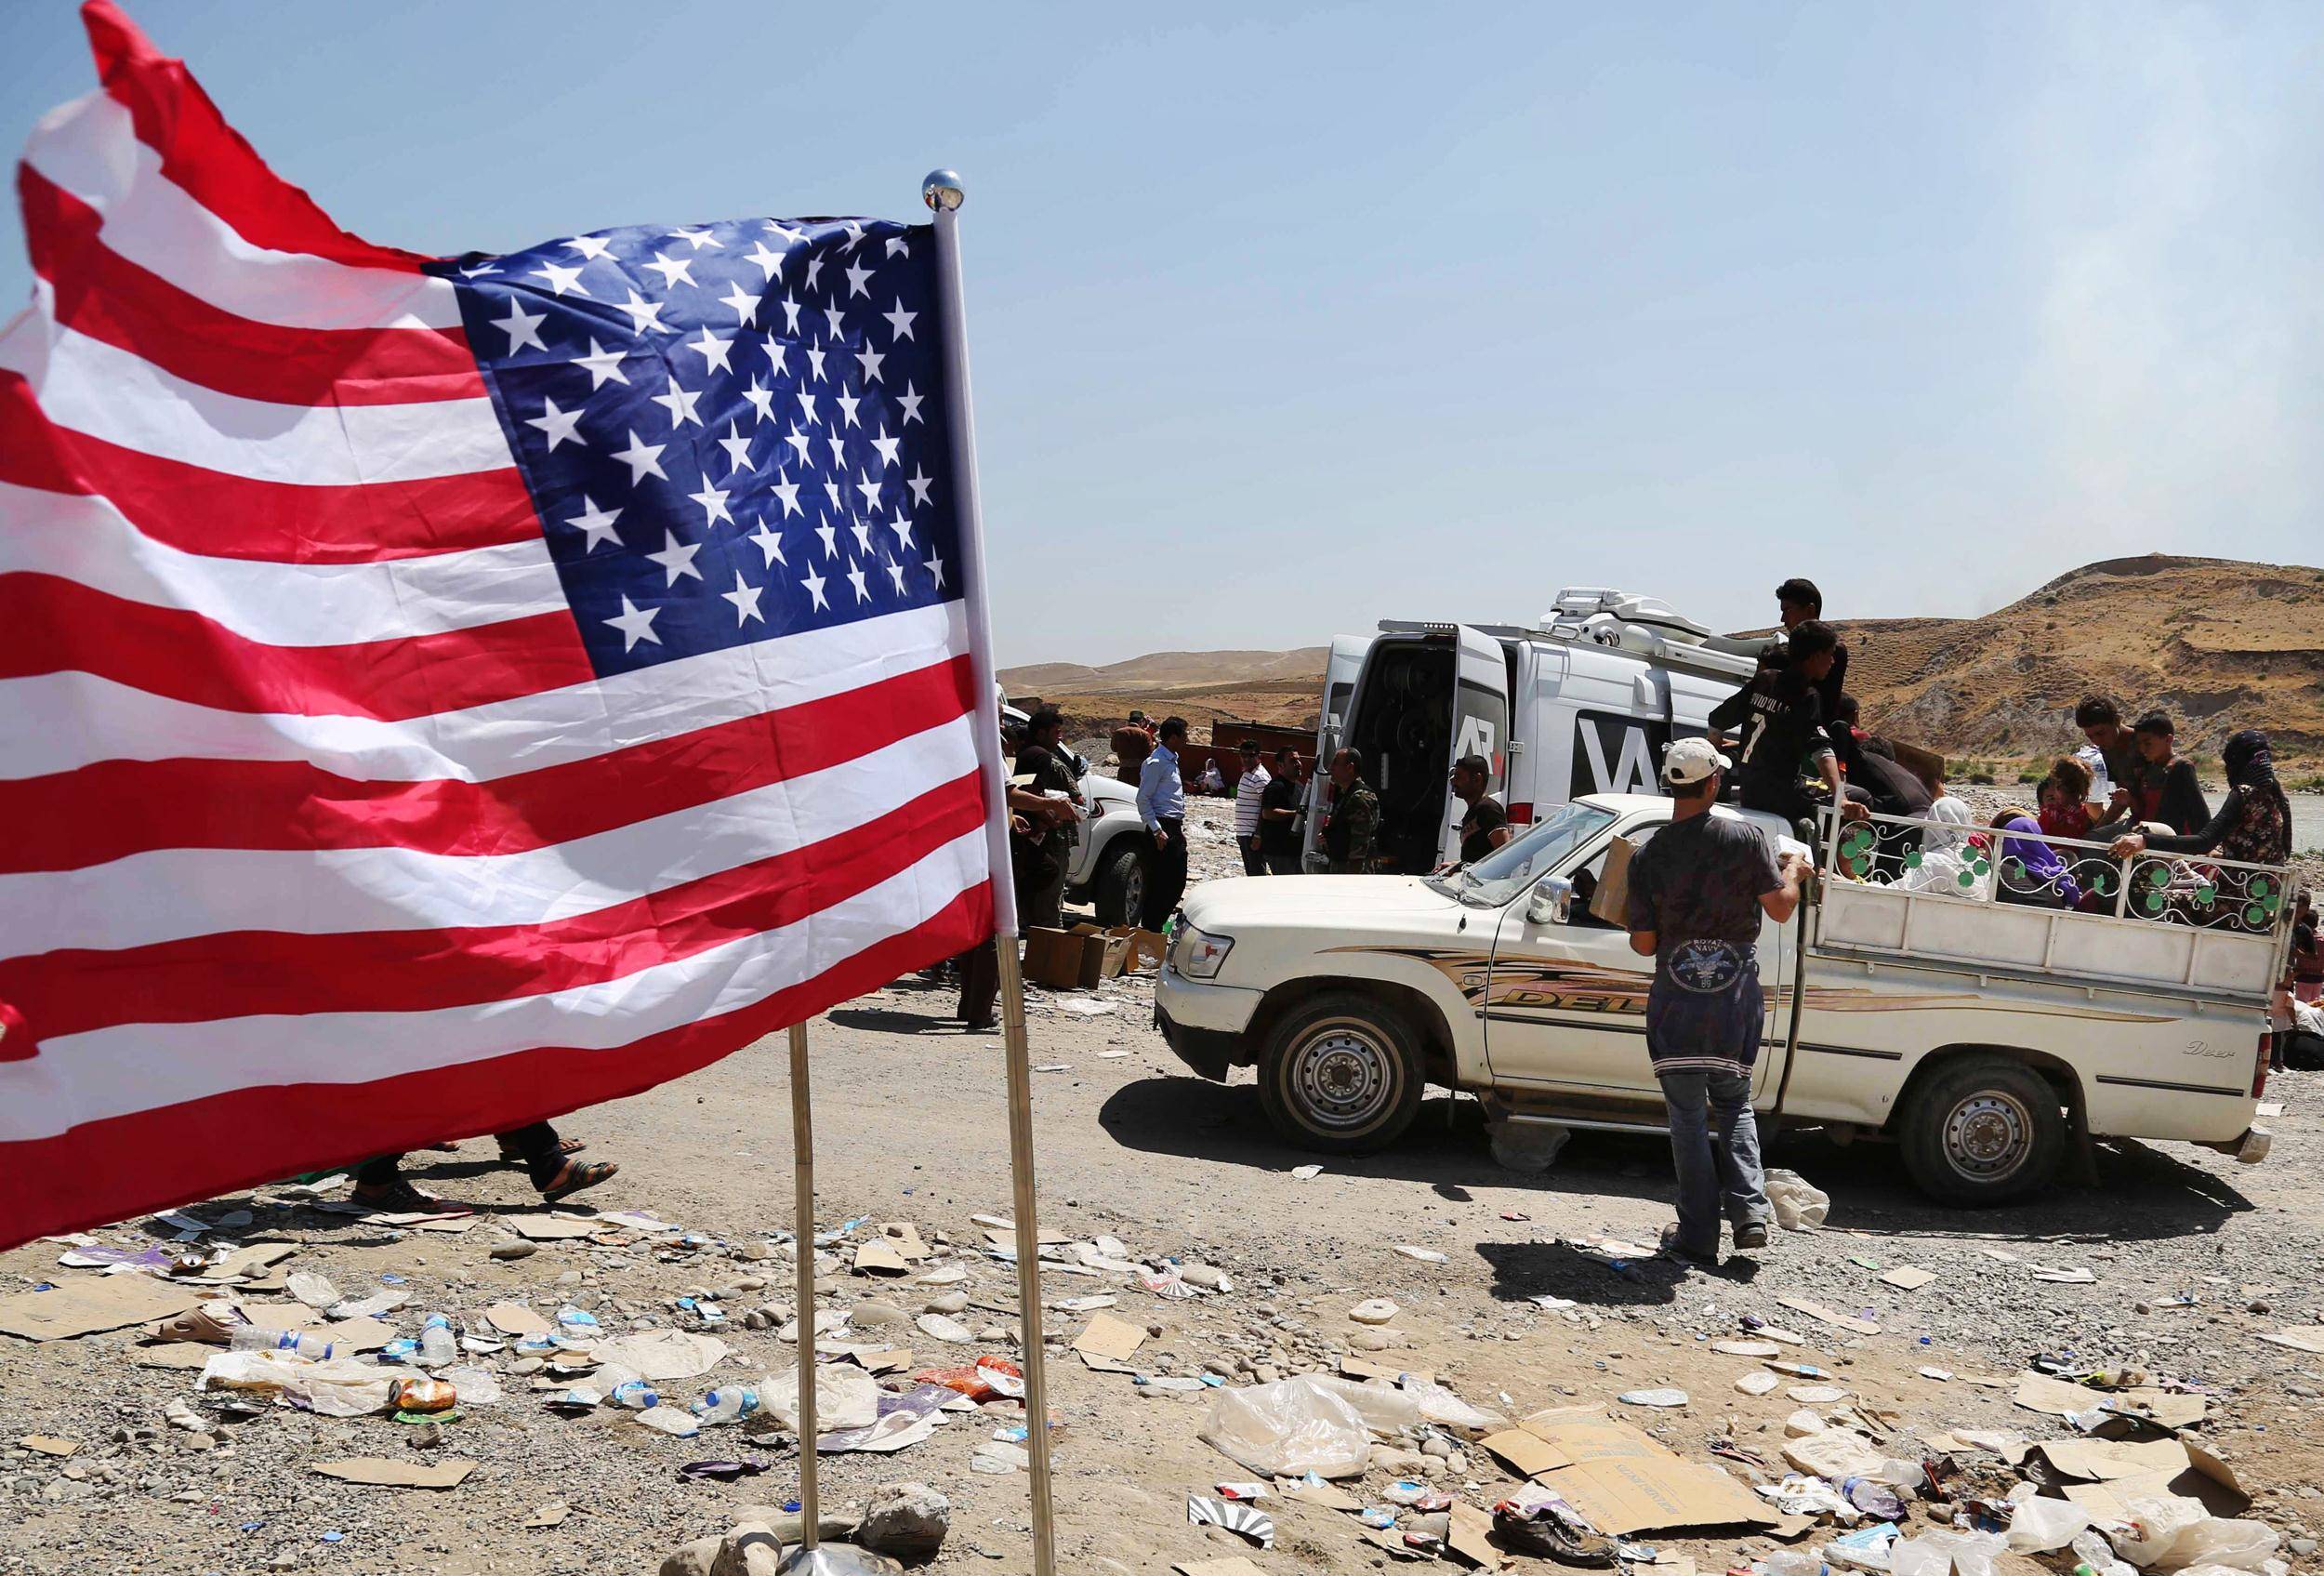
{"x":2058,"y":910}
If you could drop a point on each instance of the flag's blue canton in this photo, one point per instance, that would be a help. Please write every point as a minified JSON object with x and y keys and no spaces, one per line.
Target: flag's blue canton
{"x":731,"y":432}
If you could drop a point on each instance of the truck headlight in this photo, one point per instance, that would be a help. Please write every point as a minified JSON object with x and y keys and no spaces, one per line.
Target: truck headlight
{"x":1198,"y":954}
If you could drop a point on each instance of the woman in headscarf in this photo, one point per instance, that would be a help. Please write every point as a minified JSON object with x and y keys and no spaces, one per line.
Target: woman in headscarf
{"x":2253,"y":824}
{"x":1944,"y":854}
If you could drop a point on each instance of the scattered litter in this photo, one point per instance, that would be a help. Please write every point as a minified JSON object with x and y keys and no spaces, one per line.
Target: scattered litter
{"x":1816,"y":1394}
{"x":48,"y":1445}
{"x":1256,"y":1525}
{"x":1831,"y":1317}
{"x":2300,"y":1338}
{"x":1307,"y":1173}
{"x":1112,"y":1055}
{"x":1081,"y":1006}
{"x":553,"y":1227}
{"x":548,"y":1516}
{"x":943,"y":1328}
{"x":514,"y":1318}
{"x":1757,"y":1382}
{"x":721,"y":1471}
{"x":1554,"y":1305}
{"x":1905,"y":1277}
{"x":1054,"y":1068}
{"x":1940,"y":1374}
{"x":1426,"y":1255}
{"x":1241,"y":1490}
{"x":312,"y":1289}
{"x":1747,"y":1349}
{"x":2065,"y":1277}
{"x":663,"y":1354}
{"x":1373,"y":1310}
{"x":1168,"y":1284}
{"x":1114,"y":1339}
{"x":91,"y":1306}
{"x":1290,"y":1428}
{"x":669,"y":1420}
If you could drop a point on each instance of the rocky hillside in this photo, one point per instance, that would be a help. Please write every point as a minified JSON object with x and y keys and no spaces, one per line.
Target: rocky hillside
{"x":2217,"y":644}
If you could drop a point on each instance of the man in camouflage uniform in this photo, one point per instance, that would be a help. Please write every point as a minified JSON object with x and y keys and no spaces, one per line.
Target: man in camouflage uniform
{"x":1351,"y":825}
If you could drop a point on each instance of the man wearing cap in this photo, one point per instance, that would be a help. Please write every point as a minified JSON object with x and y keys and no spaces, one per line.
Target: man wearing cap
{"x":1696,"y":891}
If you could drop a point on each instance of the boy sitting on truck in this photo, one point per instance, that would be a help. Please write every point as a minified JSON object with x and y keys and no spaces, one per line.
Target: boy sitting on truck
{"x":1778,"y":717}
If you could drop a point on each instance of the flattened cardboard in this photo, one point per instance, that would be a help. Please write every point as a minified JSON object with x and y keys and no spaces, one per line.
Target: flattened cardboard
{"x":1472,"y":1538}
{"x":1908,"y":1278}
{"x":2056,"y":1397}
{"x":2299,"y":1337}
{"x":244,"y":1263}
{"x":1324,"y":1496}
{"x":1625,"y":1482}
{"x":548,"y":1516}
{"x":1237,"y":1566}
{"x":383,"y":1473}
{"x":2108,"y":1460}
{"x":1831,"y":1315}
{"x":903,"y":1237}
{"x":549,"y":1228}
{"x":1365,"y":1367}
{"x":515,"y":1319}
{"x":174,"y":1354}
{"x":1109,"y":1337}
{"x":87,"y":1306}
{"x":880,"y":1257}
{"x":1527,"y":1453}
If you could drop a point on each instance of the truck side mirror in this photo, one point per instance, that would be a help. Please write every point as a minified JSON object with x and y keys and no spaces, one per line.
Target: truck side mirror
{"x":1552,"y":902}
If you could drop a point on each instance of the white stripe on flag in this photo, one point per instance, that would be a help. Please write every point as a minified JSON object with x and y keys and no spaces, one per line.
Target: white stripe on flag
{"x":90,"y":147}
{"x":174,"y":893}
{"x":72,"y":719}
{"x":88,"y":540}
{"x":107,"y":392}
{"x":113,"y":1072}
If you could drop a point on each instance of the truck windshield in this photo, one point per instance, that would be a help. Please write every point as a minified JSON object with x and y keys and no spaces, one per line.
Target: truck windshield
{"x":1520,"y":862}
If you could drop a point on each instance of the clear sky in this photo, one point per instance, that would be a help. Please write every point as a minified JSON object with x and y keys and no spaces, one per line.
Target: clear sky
{"x":1283,"y":325}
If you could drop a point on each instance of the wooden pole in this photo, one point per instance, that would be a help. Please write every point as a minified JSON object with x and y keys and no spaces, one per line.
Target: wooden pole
{"x":804,"y":1231}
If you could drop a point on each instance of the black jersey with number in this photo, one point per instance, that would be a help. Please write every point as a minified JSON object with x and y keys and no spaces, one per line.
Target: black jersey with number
{"x":1780,"y":719}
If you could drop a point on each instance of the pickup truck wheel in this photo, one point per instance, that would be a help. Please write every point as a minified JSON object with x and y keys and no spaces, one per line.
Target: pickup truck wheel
{"x":1119,"y":892}
{"x":1984,"y":1131}
{"x":1341,"y":1074}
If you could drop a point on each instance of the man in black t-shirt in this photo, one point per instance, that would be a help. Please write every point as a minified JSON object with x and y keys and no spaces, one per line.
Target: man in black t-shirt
{"x":1279,"y":815}
{"x":1041,"y":768}
{"x":1779,"y":721}
{"x":1485,"y":826}
{"x":1797,"y":601}
{"x":1696,"y":893}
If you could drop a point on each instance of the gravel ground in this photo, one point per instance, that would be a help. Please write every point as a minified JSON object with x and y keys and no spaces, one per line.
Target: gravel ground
{"x":910,"y":1125}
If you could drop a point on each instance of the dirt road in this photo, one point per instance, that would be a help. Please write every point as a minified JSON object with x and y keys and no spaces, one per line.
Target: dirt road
{"x":910,"y":1127}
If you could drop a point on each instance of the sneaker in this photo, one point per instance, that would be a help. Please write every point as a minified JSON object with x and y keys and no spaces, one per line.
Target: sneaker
{"x":1677,"y":1248}
{"x":1752,"y":1236}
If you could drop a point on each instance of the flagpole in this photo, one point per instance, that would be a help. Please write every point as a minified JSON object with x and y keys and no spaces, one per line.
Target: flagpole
{"x":942,"y":193}
{"x":803,"y":1234}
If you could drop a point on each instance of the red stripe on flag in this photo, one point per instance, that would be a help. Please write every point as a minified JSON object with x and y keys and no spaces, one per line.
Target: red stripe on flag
{"x":209,"y":159}
{"x":206,"y":511}
{"x":106,"y":297}
{"x":95,"y":814}
{"x":127,"y":1166}
{"x":244,"y":973}
{"x":49,"y":625}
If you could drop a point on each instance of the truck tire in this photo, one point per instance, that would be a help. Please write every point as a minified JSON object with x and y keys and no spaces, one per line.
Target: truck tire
{"x":1119,"y":891}
{"x":1983,"y":1131}
{"x":1341,"y":1074}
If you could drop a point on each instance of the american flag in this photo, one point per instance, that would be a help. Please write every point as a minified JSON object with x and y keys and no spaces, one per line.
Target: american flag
{"x":439,"y":693}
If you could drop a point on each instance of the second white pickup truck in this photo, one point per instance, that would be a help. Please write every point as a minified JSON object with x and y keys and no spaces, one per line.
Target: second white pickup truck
{"x":1978,"y":1030}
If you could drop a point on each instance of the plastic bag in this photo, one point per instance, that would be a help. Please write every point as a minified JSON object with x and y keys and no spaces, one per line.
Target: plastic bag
{"x":1440,"y":1406}
{"x":1798,"y":1206}
{"x":845,"y":1398}
{"x":1289,"y":1428}
{"x":2038,"y":1524}
{"x":337,"y":1388}
{"x":2171,"y":1532}
{"x":1384,"y":1410}
{"x":987,"y":1379}
{"x":1867,"y":1548}
{"x":1936,"y":1552}
{"x":477,"y":1386}
{"x":1531,"y":1147}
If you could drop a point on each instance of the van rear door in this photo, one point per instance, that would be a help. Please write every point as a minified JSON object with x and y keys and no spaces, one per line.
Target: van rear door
{"x":1480,"y":722}
{"x":1341,"y":672}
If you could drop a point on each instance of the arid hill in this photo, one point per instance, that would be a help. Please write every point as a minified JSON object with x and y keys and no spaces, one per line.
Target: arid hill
{"x":2218,"y":643}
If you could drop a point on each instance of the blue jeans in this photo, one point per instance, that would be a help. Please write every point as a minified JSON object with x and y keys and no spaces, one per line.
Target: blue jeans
{"x":1718,"y":1162}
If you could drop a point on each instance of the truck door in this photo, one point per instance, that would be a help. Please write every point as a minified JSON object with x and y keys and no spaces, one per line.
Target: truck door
{"x":1341,"y":672}
{"x":1480,"y":722}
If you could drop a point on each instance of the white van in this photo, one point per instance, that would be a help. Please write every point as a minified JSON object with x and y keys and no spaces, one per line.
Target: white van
{"x":1585,"y":703}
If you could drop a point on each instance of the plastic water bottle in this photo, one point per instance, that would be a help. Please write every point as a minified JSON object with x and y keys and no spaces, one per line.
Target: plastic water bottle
{"x":437,"y":1346}
{"x":725,"y":1404}
{"x":635,"y":1395}
{"x":305,"y":1343}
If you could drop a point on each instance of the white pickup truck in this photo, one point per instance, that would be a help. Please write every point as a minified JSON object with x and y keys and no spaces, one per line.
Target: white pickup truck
{"x":1981,"y":1026}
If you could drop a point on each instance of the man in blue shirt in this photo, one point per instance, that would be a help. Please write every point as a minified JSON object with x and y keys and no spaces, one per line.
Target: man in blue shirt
{"x":1162,"y":805}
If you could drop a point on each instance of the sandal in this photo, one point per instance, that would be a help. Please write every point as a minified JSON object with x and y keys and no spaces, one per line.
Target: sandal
{"x":565,"y":1146}
{"x":574,"y":1175}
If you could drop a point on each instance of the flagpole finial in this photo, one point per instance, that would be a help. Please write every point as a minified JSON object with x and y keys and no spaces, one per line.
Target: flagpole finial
{"x":941,"y":190}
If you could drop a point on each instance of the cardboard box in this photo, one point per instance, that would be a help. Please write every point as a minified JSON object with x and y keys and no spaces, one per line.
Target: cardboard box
{"x":1610,"y":902}
{"x":1146,"y":949}
{"x":1052,"y":958}
{"x":1104,"y":953}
